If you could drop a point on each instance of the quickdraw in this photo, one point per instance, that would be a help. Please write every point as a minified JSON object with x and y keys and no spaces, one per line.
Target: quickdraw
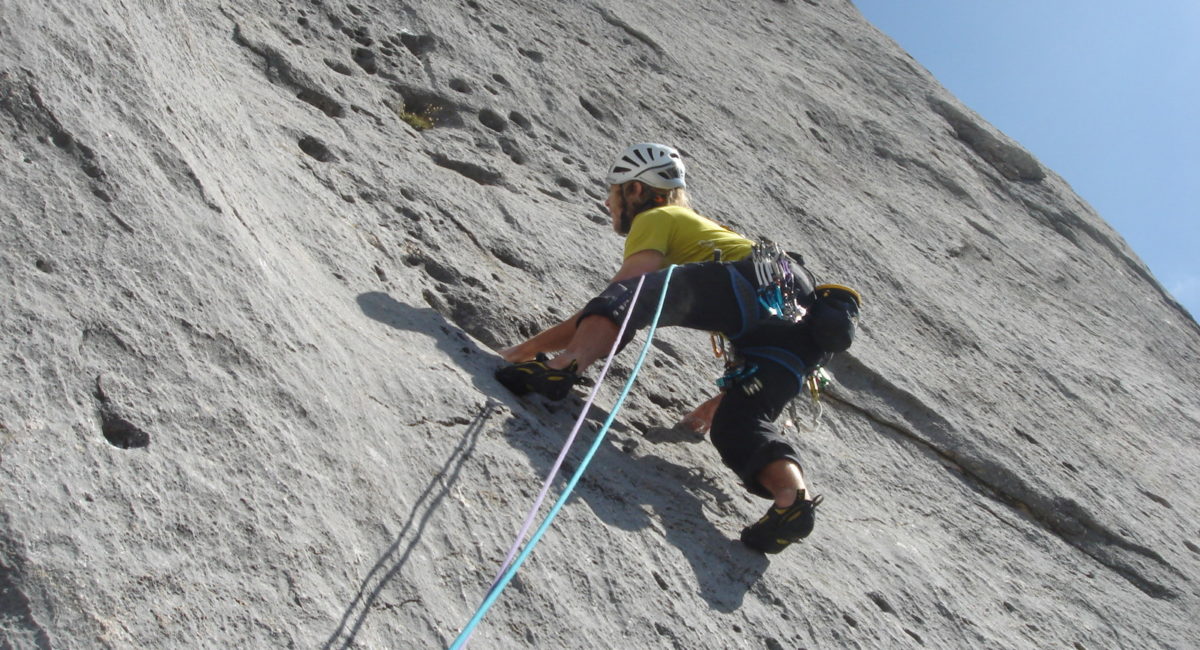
{"x":717,"y":340}
{"x":773,"y":273}
{"x":742,"y":376}
{"x":816,"y":382}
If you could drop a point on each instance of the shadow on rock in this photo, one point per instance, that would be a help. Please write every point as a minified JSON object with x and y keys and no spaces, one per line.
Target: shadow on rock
{"x":725,"y":570}
{"x":393,"y":561}
{"x":620,"y":484}
{"x":451,"y":339}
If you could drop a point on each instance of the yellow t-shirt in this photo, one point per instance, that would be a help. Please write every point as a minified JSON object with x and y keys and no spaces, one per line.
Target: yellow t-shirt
{"x":683,"y":236}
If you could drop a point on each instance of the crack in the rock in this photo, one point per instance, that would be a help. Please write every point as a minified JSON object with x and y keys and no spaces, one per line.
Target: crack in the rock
{"x":637,"y":34}
{"x":1065,"y":518}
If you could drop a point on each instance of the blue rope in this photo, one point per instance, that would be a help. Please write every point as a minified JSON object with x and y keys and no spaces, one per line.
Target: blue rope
{"x":537,"y":535}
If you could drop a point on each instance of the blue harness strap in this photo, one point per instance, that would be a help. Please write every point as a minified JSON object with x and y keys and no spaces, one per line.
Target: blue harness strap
{"x":780,"y":356}
{"x":747,"y":299}
{"x":756,"y":307}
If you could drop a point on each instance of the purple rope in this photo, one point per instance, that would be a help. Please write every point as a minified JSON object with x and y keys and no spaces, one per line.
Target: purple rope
{"x":541,"y":497}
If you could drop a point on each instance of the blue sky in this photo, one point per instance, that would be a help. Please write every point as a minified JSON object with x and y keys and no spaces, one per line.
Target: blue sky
{"x":1104,"y":92}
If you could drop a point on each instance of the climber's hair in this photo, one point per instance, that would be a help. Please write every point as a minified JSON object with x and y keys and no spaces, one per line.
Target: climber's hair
{"x":656,"y":197}
{"x":652,"y":197}
{"x":674,"y":196}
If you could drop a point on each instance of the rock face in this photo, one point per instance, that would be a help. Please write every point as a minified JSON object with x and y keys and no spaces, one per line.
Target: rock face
{"x":255,"y":256}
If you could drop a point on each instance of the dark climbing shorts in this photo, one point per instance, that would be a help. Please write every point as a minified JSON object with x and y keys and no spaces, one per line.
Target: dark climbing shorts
{"x":702,"y":296}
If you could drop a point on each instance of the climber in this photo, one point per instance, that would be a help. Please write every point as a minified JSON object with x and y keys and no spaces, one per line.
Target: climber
{"x":752,"y":294}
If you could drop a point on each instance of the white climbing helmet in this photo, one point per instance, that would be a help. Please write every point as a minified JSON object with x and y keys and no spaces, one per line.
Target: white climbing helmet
{"x":656,"y":165}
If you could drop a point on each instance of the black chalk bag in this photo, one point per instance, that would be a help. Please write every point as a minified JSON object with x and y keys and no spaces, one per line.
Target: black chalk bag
{"x":833,"y":317}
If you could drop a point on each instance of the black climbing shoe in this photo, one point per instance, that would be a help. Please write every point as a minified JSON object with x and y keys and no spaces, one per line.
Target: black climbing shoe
{"x":536,"y":377}
{"x":782,"y":526}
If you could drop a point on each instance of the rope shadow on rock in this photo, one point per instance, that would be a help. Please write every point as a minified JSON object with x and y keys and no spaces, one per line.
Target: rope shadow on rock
{"x":392,"y":562}
{"x":725,"y":570}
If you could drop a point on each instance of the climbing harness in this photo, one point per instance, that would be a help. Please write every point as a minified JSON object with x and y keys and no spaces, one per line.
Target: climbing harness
{"x":512,"y":565}
{"x":741,"y":376}
{"x":774,"y":297}
{"x":778,"y":295}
